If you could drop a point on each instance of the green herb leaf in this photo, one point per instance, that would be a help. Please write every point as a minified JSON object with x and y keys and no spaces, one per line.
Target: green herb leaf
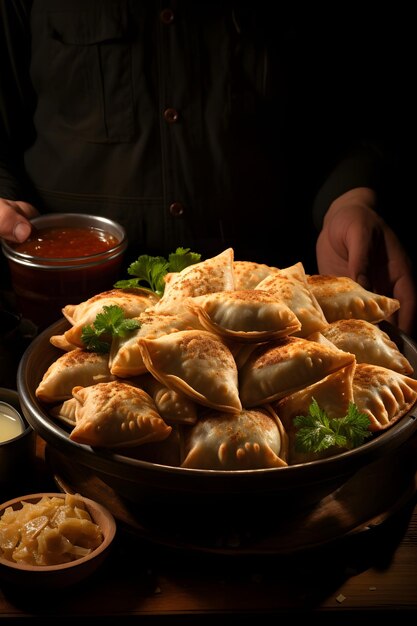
{"x":109,"y":323}
{"x":150,"y":271}
{"x":92,"y":341}
{"x":354,"y":426}
{"x":130,"y":283}
{"x":182,"y":258}
{"x":316,"y":432}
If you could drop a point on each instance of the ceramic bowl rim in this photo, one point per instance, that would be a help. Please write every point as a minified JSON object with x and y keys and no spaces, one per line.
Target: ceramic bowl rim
{"x":92,"y":506}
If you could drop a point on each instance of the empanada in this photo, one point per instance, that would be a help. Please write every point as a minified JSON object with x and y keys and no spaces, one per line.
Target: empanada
{"x":342,"y":298}
{"x":384,"y":395}
{"x":59,"y":341}
{"x":248,"y":274}
{"x":214,"y":274}
{"x":197,"y":363}
{"x":368,"y":343}
{"x":125,"y":356}
{"x":173,"y":406}
{"x":246,"y":315}
{"x":132,"y":301}
{"x":65,"y":412}
{"x":290,"y":285}
{"x":277,"y":369}
{"x":332,"y":393}
{"x":116,"y":414}
{"x":251,"y":439}
{"x":70,"y":369}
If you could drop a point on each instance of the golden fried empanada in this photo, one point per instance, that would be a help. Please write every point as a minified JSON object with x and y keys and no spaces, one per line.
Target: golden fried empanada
{"x":247,"y":315}
{"x":65,"y":412}
{"x":277,"y":369}
{"x":384,"y":395}
{"x":125,"y":356}
{"x":251,"y":439}
{"x":197,"y":363}
{"x":248,"y":274}
{"x":173,"y":406}
{"x":59,"y":341}
{"x":132,"y":301}
{"x":368,"y":343}
{"x":290,"y":285}
{"x":116,"y":414}
{"x":70,"y":369}
{"x":342,"y":298}
{"x":333,"y":393}
{"x":214,"y":274}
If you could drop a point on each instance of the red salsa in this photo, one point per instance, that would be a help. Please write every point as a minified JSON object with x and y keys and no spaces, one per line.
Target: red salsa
{"x":68,"y":242}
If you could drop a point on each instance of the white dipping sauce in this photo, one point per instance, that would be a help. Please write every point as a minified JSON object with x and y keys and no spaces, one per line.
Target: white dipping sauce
{"x":10,"y":426}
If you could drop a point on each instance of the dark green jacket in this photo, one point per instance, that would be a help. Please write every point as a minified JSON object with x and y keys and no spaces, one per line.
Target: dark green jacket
{"x":202,"y":124}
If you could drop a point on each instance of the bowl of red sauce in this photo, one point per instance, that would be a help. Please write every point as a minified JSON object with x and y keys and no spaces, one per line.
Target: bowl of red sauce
{"x":68,"y":258}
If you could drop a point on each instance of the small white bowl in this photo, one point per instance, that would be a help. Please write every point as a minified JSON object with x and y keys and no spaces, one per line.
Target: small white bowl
{"x":17,"y":455}
{"x":64,"y":574}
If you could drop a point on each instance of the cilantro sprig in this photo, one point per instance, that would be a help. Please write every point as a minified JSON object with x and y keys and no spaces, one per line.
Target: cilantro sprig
{"x":149,"y":271}
{"x":109,"y":323}
{"x":317,"y":432}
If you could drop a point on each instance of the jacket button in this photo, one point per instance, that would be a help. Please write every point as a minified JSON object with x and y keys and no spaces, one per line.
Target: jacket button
{"x":166,"y":16}
{"x":176,"y":209}
{"x":171,"y":115}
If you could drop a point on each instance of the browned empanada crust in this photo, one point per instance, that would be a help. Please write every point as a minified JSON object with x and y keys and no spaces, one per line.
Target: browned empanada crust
{"x":245,"y":315}
{"x":116,"y":414}
{"x":196,"y":363}
{"x":214,"y":274}
{"x":132,"y":301}
{"x":76,"y":367}
{"x":59,"y":341}
{"x":341,"y":297}
{"x":384,"y":395}
{"x":125,"y":355}
{"x":368,"y":343}
{"x":65,"y":412}
{"x":290,"y":285}
{"x":251,"y":439}
{"x":173,"y":406}
{"x":277,"y":369}
{"x":248,"y":274}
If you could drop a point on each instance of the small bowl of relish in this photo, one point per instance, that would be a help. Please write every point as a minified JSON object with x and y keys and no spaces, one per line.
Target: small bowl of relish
{"x":68,"y":258}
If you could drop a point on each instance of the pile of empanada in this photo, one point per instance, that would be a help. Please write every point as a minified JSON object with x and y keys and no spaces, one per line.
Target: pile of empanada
{"x":224,"y":361}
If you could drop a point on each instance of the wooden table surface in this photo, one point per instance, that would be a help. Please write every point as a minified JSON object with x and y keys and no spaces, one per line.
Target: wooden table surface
{"x":366,"y":575}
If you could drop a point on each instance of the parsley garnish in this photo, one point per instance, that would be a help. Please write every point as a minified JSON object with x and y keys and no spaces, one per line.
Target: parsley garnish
{"x":182,"y":258}
{"x":109,"y":323}
{"x":317,"y":432}
{"x":152,"y":270}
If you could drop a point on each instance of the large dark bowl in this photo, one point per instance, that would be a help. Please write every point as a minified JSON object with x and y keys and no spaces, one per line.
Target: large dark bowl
{"x":182,"y":495}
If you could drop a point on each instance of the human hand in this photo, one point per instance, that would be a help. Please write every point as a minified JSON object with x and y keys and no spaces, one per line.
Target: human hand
{"x":356,"y":242}
{"x":14,"y":219}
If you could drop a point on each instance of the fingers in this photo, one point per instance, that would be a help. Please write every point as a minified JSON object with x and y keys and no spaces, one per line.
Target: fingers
{"x":361,"y":240}
{"x":405,"y":292}
{"x":14,"y":220}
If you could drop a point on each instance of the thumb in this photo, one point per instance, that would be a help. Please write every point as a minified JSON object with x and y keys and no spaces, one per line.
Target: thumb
{"x":14,"y":220}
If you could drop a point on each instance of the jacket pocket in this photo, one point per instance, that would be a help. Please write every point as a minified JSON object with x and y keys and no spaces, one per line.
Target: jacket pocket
{"x":90,"y":65}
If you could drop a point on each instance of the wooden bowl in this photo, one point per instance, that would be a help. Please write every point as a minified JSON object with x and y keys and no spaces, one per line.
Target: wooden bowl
{"x":64,"y":574}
